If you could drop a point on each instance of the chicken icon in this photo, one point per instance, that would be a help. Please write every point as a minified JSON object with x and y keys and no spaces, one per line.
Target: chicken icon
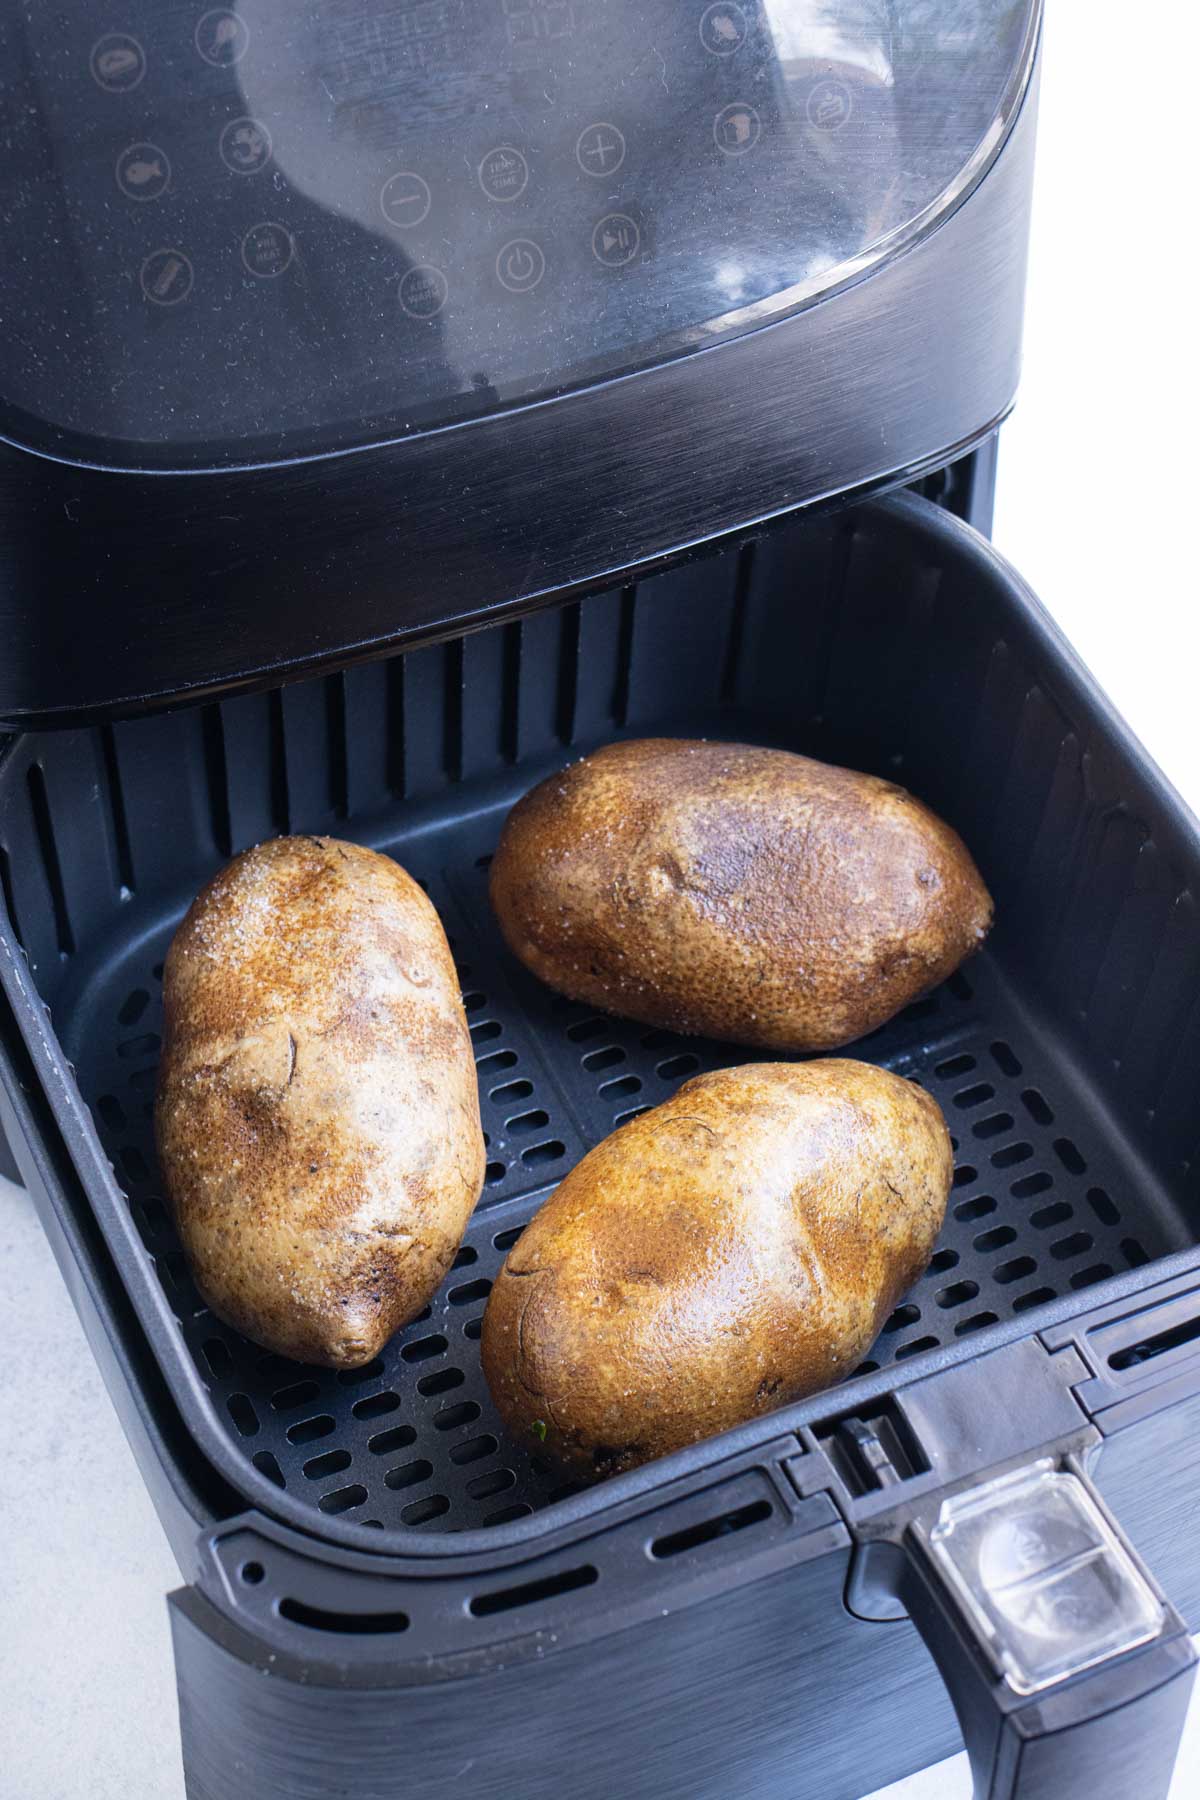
{"x":723,"y":29}
{"x":221,"y":38}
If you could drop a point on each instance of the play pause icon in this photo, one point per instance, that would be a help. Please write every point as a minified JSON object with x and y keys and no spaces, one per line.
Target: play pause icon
{"x":615,"y":240}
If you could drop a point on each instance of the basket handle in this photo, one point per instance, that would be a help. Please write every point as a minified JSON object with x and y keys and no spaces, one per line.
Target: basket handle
{"x":1069,"y":1671}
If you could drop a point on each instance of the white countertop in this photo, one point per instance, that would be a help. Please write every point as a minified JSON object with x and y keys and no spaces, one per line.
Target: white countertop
{"x":1095,"y":507}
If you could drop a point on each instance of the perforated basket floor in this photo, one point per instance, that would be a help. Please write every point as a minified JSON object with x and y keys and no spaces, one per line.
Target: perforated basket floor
{"x":1041,"y":1204}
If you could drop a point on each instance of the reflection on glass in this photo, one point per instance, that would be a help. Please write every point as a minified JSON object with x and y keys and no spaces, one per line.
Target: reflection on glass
{"x":381,"y":214}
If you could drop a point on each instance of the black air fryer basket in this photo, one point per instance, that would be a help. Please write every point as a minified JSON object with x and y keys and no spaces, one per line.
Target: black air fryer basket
{"x":272,"y":603}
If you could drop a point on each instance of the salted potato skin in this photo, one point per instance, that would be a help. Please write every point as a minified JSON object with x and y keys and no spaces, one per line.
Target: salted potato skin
{"x":736,"y":1249}
{"x":317,"y":1115}
{"x":735,"y":892}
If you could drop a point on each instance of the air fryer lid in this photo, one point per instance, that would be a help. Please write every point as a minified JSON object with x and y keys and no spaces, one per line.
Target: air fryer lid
{"x":241,"y":233}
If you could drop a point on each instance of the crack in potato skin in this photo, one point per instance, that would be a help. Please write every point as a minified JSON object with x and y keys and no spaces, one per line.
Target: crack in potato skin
{"x":735,"y":892}
{"x":728,"y":1253}
{"x":317,"y":1115}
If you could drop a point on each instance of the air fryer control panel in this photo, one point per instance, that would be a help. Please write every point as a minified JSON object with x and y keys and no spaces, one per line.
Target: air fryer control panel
{"x":289,"y":224}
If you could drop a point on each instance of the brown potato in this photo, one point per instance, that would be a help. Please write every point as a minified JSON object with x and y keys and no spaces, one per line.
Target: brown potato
{"x":317,"y":1115}
{"x":734,"y":1250}
{"x":740,"y":893}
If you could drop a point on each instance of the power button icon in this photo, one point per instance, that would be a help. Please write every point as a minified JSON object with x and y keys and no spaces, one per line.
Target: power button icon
{"x":520,"y":265}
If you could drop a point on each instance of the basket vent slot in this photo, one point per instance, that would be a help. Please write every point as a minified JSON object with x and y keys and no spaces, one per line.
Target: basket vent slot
{"x":345,"y":1624}
{"x":43,"y":824}
{"x":268,"y":1465}
{"x":277,"y":760}
{"x":396,"y":1437}
{"x":307,"y":1431}
{"x":741,"y":1518}
{"x":122,"y":842}
{"x":620,"y":698}
{"x":343,"y":1499}
{"x":1146,"y":1349}
{"x":530,"y":1593}
{"x":335,"y":724}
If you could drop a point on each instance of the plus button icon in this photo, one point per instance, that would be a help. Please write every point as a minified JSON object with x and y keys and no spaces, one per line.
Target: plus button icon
{"x":600,"y":149}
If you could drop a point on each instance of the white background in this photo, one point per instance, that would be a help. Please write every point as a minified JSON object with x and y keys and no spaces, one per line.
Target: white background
{"x":1096,"y":506}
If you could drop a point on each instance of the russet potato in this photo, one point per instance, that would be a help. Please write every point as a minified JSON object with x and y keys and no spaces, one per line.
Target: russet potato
{"x":317,"y":1115}
{"x":735,"y":892}
{"x":735,"y":1249}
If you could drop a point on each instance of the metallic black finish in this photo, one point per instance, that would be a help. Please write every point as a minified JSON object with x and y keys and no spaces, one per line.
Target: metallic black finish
{"x":121,"y":592}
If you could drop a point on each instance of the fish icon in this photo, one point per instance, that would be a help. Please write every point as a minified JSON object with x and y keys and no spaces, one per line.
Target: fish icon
{"x":143,"y":172}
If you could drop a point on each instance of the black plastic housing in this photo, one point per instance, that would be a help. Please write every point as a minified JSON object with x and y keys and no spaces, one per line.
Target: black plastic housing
{"x":890,"y":638}
{"x":125,"y":589}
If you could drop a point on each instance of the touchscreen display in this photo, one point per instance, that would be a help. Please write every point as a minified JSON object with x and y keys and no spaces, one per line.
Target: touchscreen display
{"x":286,"y":225}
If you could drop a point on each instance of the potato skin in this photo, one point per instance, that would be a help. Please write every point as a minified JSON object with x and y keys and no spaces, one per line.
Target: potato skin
{"x":735,"y":892}
{"x":730,"y":1252}
{"x":317,"y":1114}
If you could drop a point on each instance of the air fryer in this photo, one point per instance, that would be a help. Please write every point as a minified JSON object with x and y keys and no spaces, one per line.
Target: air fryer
{"x":399,"y":402}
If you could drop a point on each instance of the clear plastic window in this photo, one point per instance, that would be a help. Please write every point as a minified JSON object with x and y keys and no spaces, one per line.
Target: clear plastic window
{"x":1045,"y":1580}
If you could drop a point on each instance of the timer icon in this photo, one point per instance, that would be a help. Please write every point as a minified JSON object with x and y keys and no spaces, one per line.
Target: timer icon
{"x":503,"y":173}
